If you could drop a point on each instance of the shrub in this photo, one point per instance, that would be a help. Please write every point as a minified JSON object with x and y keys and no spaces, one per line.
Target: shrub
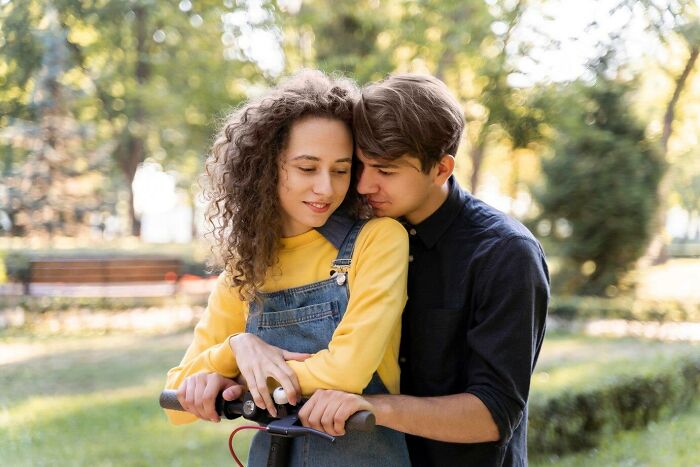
{"x":583,"y":308}
{"x":574,"y":421}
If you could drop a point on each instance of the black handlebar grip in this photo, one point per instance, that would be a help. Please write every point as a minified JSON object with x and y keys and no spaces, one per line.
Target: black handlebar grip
{"x":363,"y":420}
{"x":168,"y":400}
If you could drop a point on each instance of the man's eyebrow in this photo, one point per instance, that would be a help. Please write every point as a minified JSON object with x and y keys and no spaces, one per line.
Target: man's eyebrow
{"x":308,"y":157}
{"x":382,"y":165}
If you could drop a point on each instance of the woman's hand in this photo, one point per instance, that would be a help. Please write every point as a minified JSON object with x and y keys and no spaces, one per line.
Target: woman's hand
{"x":197,"y":394}
{"x":257,"y":361}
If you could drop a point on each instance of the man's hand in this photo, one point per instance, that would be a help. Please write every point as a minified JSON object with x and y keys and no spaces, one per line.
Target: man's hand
{"x":257,"y":361}
{"x":197,"y":394}
{"x":328,"y":410}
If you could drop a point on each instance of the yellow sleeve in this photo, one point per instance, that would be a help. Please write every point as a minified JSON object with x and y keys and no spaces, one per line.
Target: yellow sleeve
{"x":210,"y":351}
{"x":377,"y":282}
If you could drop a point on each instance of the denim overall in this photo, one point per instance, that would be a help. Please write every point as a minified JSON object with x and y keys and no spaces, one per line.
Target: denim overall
{"x":303,"y":319}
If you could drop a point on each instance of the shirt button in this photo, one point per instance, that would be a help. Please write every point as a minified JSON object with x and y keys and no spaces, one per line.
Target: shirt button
{"x":410,"y":258}
{"x":412,"y":231}
{"x":402,"y":359}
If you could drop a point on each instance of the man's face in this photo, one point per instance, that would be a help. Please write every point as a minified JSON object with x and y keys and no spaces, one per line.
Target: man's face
{"x":396,"y":188}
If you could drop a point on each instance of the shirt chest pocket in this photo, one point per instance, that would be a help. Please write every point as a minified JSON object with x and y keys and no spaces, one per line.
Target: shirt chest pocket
{"x":307,"y":329}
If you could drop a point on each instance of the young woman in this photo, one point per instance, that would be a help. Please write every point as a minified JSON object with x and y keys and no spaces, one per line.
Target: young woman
{"x":309,"y":297}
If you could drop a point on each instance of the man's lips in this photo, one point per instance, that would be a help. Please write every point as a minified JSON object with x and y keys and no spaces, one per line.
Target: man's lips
{"x":376,"y":203}
{"x":318,"y":207}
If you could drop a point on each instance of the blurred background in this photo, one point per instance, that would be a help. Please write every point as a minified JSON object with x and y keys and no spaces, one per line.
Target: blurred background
{"x":582,"y":119}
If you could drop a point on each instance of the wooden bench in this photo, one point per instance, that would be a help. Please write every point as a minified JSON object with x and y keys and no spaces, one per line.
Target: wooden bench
{"x":141,"y":276}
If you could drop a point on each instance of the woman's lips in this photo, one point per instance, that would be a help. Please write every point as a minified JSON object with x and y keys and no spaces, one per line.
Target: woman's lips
{"x":318,"y":207}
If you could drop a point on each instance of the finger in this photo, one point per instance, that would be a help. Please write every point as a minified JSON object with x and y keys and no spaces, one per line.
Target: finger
{"x":345,"y":410}
{"x":181,"y":393}
{"x":305,"y":411}
{"x":240,"y":379}
{"x":288,"y":380}
{"x":258,"y":390}
{"x":253,"y":389}
{"x":211,"y":390}
{"x":233,"y":392}
{"x":316,"y":412}
{"x":264,"y":392}
{"x":297,"y":356}
{"x":328,"y":418}
{"x":189,"y":396}
{"x":295,"y":382}
{"x":201,"y":385}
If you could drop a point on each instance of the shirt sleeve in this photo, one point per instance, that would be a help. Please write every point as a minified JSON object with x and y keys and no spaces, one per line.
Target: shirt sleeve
{"x":377,"y":283}
{"x":210,"y":351}
{"x":512,"y":294}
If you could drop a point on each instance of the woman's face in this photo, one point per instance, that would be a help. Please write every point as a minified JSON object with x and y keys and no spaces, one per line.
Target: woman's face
{"x":314,"y":173}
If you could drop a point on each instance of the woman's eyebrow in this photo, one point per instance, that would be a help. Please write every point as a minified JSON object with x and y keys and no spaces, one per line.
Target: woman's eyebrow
{"x":318,"y":159}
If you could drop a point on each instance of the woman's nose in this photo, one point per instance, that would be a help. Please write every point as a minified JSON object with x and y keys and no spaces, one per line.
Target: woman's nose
{"x":323,"y":184}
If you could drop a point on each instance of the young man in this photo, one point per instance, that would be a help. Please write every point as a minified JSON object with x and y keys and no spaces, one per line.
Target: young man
{"x":478,"y":289}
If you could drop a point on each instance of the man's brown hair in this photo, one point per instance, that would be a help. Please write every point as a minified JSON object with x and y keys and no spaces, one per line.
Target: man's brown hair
{"x":408,"y":114}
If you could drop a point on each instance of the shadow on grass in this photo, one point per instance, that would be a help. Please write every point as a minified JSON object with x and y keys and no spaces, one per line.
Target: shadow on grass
{"x":86,"y":370}
{"x":116,"y":428}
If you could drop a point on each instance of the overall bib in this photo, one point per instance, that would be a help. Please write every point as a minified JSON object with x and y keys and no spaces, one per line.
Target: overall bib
{"x":303,"y":319}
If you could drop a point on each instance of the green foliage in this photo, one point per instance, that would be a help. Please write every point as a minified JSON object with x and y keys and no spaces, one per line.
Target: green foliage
{"x":583,"y":308}
{"x":584,"y":417}
{"x":151,"y":78}
{"x":338,"y":37}
{"x":601,"y":187}
{"x":664,"y":442}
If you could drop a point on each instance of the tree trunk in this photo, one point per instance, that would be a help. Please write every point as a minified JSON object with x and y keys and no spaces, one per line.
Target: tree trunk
{"x":477,"y":157}
{"x":656,"y":253}
{"x":135,"y":145}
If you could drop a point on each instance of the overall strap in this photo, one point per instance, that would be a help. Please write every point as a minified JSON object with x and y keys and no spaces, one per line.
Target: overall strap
{"x":336,"y":228}
{"x":341,"y":264}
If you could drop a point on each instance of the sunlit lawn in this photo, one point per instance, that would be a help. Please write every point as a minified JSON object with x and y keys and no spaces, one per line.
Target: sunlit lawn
{"x":92,"y":400}
{"x":673,"y":442}
{"x":570,"y":361}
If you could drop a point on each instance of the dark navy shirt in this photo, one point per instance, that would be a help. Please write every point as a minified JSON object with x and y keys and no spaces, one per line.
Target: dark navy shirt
{"x":478,"y":289}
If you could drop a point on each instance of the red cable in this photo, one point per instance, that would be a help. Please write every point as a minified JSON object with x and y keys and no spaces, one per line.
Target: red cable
{"x":230,"y":439}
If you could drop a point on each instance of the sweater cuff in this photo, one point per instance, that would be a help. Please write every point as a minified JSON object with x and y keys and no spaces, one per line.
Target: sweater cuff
{"x":306,"y":381}
{"x":222,"y":359}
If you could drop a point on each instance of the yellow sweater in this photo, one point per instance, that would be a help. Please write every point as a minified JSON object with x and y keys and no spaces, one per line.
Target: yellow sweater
{"x":365,"y":341}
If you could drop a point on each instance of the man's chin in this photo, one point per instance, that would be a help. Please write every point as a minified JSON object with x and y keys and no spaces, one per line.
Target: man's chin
{"x":380,"y":212}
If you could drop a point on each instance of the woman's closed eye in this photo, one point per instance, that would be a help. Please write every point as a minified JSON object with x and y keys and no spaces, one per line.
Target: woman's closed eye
{"x":309,"y":170}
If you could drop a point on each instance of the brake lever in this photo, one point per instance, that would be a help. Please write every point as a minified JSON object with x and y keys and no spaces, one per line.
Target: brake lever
{"x":288,"y":428}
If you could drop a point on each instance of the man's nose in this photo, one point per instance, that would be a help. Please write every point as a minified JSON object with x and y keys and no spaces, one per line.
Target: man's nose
{"x":366,"y":184}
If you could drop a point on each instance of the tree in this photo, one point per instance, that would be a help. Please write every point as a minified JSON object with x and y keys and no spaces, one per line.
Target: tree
{"x":672,"y":23}
{"x":154,"y":75}
{"x":601,"y":186}
{"x":58,"y":184}
{"x":466,"y":44}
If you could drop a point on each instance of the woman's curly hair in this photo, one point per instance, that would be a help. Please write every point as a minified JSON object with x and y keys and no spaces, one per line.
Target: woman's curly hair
{"x":241,"y":172}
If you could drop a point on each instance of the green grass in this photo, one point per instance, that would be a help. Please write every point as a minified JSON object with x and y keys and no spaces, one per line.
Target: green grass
{"x":674,"y":442}
{"x":92,"y":400}
{"x":578,"y":361}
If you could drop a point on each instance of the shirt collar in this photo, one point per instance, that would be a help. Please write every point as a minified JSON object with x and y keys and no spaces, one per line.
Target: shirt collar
{"x":432,"y":228}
